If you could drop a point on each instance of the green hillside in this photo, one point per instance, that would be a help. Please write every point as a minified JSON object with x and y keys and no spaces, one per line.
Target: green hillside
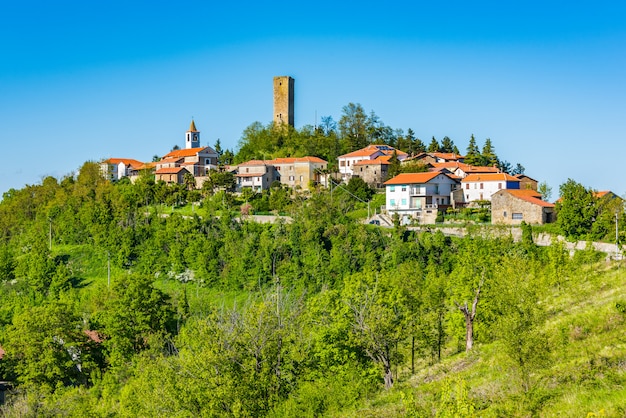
{"x":111,"y":306}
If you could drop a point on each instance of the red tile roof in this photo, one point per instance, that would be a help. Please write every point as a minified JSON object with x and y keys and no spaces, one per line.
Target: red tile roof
{"x":489,"y":177}
{"x":370,"y":150}
{"x":186,"y":152}
{"x":126,"y":161}
{"x":414,"y":178}
{"x":529,"y":196}
{"x":380,"y":160}
{"x":447,"y":155}
{"x":170,"y":170}
{"x":291,"y":160}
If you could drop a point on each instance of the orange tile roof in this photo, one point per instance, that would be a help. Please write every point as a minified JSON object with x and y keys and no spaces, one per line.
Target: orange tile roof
{"x":489,"y":177}
{"x":414,"y":178}
{"x":446,"y":155}
{"x":528,"y":195}
{"x":250,"y":174}
{"x":291,"y":160}
{"x":602,"y":193}
{"x":126,"y":161}
{"x":170,"y":170}
{"x":380,"y":160}
{"x":370,"y":150}
{"x":480,"y":169}
{"x":185,"y":152}
{"x":254,"y":162}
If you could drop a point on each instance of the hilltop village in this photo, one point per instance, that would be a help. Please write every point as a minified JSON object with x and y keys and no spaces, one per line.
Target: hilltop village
{"x":418,"y":186}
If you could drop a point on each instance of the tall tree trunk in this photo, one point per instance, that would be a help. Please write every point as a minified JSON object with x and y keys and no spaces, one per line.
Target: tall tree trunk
{"x":469,"y":319}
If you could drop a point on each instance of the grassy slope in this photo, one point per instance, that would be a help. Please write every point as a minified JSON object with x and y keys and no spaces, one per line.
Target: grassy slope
{"x":586,"y":375}
{"x":587,"y":372}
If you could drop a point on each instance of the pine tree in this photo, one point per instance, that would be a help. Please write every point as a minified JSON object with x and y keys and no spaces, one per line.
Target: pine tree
{"x":447,"y":145}
{"x":472,"y":156}
{"x":434,"y":145}
{"x":489,"y":156}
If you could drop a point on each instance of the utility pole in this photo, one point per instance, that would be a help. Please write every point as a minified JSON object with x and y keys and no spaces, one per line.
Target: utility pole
{"x":108,"y":269}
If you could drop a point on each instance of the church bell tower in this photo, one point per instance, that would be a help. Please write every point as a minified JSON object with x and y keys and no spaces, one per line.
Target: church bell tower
{"x":192,"y":137}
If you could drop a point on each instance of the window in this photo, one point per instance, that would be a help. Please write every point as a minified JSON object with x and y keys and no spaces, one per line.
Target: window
{"x":247,"y":170}
{"x":403,"y":202}
{"x":504,"y":214}
{"x":403,"y":188}
{"x":392,"y":188}
{"x":499,"y":186}
{"x":292,"y":178}
{"x":481,"y":186}
{"x":301,"y":178}
{"x":342,"y":163}
{"x":517,"y":216}
{"x":392,"y":202}
{"x":467,"y":186}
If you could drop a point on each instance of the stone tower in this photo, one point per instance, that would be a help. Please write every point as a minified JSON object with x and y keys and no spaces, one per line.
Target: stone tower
{"x":192,"y":137}
{"x":283,"y":100}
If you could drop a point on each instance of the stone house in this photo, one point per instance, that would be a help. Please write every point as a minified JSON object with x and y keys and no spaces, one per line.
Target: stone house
{"x":256,"y":174}
{"x":171,"y":174}
{"x":299,"y":171}
{"x":373,"y":172}
{"x":511,"y":207}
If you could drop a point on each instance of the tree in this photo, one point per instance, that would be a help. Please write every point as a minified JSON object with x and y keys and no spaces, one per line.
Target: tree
{"x":394,"y":165}
{"x":136,"y":316}
{"x":358,"y":187}
{"x":519,"y":169}
{"x":48,"y":347}
{"x":489,"y":157}
{"x":328,"y":125}
{"x":219,"y":151}
{"x":433,"y":146}
{"x":376,"y":309}
{"x":545,"y":191}
{"x":447,"y":145}
{"x":353,"y":126}
{"x":576,"y":209}
{"x":472,"y":155}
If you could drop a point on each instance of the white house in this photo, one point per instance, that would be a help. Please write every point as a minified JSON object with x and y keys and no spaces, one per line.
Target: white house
{"x":419,"y":195}
{"x":346,"y":162}
{"x":116,"y":168}
{"x":483,"y":186}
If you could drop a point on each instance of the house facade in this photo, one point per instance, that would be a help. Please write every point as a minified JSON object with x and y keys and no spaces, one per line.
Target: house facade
{"x":373,"y":172}
{"x":346,"y":162}
{"x":483,"y":186}
{"x":257,"y":175}
{"x":171,"y":174}
{"x":512,"y":207}
{"x":299,"y":172}
{"x":117,"y":168}
{"x":419,"y":196}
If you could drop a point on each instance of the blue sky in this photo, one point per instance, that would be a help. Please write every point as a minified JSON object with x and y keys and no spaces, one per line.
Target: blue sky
{"x":85,"y":81}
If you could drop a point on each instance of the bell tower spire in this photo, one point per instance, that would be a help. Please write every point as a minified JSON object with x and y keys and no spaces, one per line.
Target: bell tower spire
{"x":192,"y":137}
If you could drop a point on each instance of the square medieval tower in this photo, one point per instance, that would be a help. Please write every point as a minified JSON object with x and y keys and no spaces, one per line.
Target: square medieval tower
{"x":283,"y":100}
